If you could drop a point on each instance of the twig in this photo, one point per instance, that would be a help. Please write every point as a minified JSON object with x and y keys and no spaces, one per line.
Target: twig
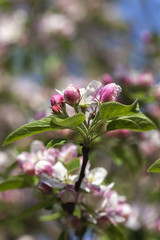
{"x":85,"y":151}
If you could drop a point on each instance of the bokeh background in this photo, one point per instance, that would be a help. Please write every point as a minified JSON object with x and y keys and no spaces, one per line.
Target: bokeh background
{"x":48,"y":44}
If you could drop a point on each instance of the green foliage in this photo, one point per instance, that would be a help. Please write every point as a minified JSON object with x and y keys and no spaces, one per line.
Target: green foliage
{"x":50,"y":123}
{"x":115,"y":109}
{"x":155,"y":167}
{"x":16,"y":182}
{"x":73,"y":165}
{"x":56,"y":142}
{"x":69,"y":122}
{"x":137,"y":122}
{"x":29,"y":129}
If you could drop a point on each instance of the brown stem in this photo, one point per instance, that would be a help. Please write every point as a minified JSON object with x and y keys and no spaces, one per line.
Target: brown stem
{"x":85,"y":151}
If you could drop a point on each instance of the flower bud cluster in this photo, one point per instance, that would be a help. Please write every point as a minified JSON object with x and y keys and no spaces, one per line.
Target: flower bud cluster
{"x":57,"y":103}
{"x":94,"y":94}
{"x":51,"y":168}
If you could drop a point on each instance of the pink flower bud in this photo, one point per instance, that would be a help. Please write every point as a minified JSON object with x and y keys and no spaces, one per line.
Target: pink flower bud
{"x":58,"y":100}
{"x":72,"y":95}
{"x":56,"y":109}
{"x":110,"y":93}
{"x":106,"y":79}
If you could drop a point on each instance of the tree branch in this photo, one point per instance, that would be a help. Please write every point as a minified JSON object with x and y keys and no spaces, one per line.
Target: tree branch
{"x":85,"y":151}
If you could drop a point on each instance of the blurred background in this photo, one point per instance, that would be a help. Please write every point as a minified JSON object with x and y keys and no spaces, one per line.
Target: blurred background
{"x":48,"y":44}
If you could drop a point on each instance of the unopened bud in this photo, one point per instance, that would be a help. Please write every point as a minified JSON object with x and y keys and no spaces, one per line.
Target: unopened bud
{"x":72,"y":95}
{"x":110,"y":93}
{"x":56,"y":109}
{"x":57,"y":100}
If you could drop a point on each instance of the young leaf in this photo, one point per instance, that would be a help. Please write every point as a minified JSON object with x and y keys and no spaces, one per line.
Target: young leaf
{"x":137,"y":122}
{"x":16,"y":182}
{"x":73,"y":165}
{"x":155,"y":167}
{"x":115,"y":109}
{"x":32,"y":128}
{"x":69,"y":122}
{"x":52,"y":217}
{"x":56,"y":142}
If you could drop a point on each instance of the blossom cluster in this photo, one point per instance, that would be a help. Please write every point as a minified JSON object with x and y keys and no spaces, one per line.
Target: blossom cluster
{"x":50,"y":165}
{"x":94,"y":93}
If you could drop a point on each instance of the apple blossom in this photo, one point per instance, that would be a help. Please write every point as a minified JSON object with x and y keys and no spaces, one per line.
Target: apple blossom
{"x":110,"y":93}
{"x":27,"y":161}
{"x":72,"y":95}
{"x":91,"y":93}
{"x":68,"y":152}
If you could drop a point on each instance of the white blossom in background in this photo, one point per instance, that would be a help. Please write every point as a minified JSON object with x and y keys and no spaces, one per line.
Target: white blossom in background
{"x":12,"y":26}
{"x":56,"y":23}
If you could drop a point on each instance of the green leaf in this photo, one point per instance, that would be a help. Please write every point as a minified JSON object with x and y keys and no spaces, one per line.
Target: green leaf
{"x":73,"y":165}
{"x":56,"y":142}
{"x":115,"y":109}
{"x":122,"y":124}
{"x":52,"y":217}
{"x":31,"y":210}
{"x":32,"y":128}
{"x":69,"y":122}
{"x":155,"y":167}
{"x":137,"y":122}
{"x":16,"y":182}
